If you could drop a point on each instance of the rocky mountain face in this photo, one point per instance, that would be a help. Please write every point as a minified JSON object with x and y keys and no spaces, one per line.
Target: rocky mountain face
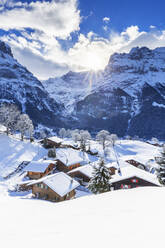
{"x":19,"y":86}
{"x":128,"y":97}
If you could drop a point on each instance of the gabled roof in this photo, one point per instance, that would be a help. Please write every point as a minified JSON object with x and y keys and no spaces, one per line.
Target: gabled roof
{"x":87,"y":170}
{"x":55,"y":139}
{"x":132,"y":171}
{"x":38,"y":166}
{"x":60,"y":183}
{"x":69,"y":156}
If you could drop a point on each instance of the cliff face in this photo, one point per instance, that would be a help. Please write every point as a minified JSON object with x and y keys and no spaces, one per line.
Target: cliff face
{"x":128,"y":97}
{"x":19,"y":86}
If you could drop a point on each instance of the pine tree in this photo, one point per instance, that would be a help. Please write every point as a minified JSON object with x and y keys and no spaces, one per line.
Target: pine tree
{"x":100,"y":182}
{"x":161,"y":169}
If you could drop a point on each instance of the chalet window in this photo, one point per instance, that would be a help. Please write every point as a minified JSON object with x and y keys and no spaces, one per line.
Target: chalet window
{"x":125,"y":186}
{"x":134,"y":180}
{"x":42,"y":186}
{"x":38,"y":185}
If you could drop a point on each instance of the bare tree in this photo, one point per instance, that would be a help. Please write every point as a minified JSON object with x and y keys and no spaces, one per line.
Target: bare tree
{"x":103,"y":136}
{"x":113,"y":139}
{"x":84,"y":138}
{"x":62,"y":133}
{"x":75,"y":135}
{"x":9,"y":115}
{"x":24,"y":125}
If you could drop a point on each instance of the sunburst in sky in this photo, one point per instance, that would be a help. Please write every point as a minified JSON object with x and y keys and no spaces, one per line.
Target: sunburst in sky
{"x":52,"y":37}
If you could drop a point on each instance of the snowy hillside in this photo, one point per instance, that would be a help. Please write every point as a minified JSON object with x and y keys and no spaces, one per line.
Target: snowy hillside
{"x":131,"y":90}
{"x":123,"y":218}
{"x":13,"y":152}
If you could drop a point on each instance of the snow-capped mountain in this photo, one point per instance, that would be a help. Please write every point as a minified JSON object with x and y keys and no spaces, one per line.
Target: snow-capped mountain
{"x":128,"y":97}
{"x":72,"y":87}
{"x":19,"y":86}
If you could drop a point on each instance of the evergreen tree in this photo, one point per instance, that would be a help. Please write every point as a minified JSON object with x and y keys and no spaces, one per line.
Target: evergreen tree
{"x":161,"y":169}
{"x":100,"y":182}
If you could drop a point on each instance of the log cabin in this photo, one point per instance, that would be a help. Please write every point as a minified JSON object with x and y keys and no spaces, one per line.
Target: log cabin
{"x":132,"y":177}
{"x":69,"y":159}
{"x":38,"y":169}
{"x":56,"y":187}
{"x":136,"y":163}
{"x":51,"y":142}
{"x":82,"y":174}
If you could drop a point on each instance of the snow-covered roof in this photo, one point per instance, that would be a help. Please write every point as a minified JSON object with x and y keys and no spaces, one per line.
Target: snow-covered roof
{"x":2,"y":128}
{"x":131,"y":171}
{"x":69,"y":156}
{"x":87,"y":170}
{"x":60,"y":183}
{"x":55,"y":139}
{"x":38,"y":166}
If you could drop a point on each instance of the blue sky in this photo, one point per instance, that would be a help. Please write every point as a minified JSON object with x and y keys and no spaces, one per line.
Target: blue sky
{"x":53,"y":37}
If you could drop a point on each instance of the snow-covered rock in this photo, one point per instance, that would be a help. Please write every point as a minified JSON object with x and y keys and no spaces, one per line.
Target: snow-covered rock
{"x":19,"y":86}
{"x":121,"y":98}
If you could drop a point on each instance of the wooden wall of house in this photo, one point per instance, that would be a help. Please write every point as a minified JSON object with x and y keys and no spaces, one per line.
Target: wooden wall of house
{"x":49,"y":168}
{"x":112,"y":170}
{"x":48,"y":194}
{"x":78,"y":174}
{"x":129,"y":182}
{"x":62,"y":167}
{"x":35,"y":175}
{"x":73,"y":166}
{"x":135,"y":163}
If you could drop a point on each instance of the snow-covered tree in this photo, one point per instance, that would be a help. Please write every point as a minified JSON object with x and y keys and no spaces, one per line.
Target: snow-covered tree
{"x":103,"y":136}
{"x":24,"y":125}
{"x":75,"y":135}
{"x":154,"y":140}
{"x":68,"y":133}
{"x":52,"y":153}
{"x":84,"y":138}
{"x":62,"y":133}
{"x":161,"y":169}
{"x":100,"y":181}
{"x":113,"y":139}
{"x":9,"y":115}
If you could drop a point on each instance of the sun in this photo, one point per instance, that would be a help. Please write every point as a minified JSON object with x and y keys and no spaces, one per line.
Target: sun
{"x":94,"y":62}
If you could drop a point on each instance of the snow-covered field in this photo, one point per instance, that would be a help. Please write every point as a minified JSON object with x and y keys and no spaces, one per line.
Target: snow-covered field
{"x":123,"y":218}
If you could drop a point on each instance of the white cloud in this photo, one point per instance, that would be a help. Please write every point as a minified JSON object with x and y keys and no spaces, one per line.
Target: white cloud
{"x":55,"y":18}
{"x":106,"y":19}
{"x":152,"y":26}
{"x":41,"y":51}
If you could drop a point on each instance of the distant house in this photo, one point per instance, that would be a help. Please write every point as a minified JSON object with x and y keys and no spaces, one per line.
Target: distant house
{"x":68,"y":159}
{"x":37,"y":169}
{"x":57,"y":187}
{"x":136,"y":163}
{"x":82,"y":174}
{"x":132,"y":177}
{"x":52,"y":142}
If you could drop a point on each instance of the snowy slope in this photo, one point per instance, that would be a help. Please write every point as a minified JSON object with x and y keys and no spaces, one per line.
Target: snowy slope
{"x":123,"y":218}
{"x":13,"y":152}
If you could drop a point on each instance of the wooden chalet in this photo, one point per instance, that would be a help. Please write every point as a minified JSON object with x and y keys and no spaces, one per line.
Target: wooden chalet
{"x":52,"y":142}
{"x":82,"y":174}
{"x":132,"y":177}
{"x":68,"y":159}
{"x":38,"y":169}
{"x":136,"y":163}
{"x":57,"y":187}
